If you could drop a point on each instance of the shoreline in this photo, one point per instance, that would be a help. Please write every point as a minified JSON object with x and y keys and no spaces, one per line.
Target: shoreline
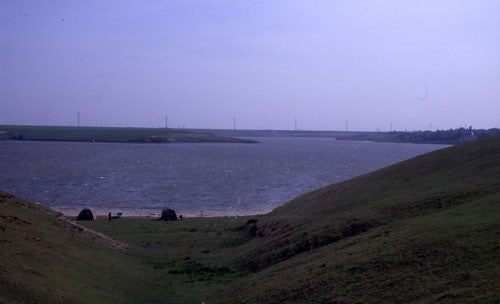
{"x":103,"y":213}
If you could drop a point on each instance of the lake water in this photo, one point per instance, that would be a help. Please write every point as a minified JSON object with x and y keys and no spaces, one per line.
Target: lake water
{"x":194,"y":179}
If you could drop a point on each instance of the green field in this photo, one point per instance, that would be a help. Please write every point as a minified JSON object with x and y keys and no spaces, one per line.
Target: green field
{"x":426,"y":230}
{"x":110,"y":134}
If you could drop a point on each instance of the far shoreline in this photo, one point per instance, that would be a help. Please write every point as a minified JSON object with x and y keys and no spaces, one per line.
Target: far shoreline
{"x":112,"y":135}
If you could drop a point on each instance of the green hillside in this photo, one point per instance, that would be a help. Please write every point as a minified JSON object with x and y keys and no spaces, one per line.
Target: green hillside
{"x":423,"y":230}
{"x":46,"y":259}
{"x":426,"y":230}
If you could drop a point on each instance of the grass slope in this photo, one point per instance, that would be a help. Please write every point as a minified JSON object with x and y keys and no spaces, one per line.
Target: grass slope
{"x":424,"y":230}
{"x":46,"y":259}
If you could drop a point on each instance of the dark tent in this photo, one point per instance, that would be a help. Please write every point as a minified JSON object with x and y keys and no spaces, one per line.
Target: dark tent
{"x":86,"y":215}
{"x":168,"y":215}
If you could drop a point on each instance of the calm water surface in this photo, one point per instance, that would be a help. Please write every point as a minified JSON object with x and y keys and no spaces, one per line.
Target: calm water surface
{"x":194,"y":179}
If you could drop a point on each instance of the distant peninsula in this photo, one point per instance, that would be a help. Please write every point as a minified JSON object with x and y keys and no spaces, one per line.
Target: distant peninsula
{"x":113,"y":134}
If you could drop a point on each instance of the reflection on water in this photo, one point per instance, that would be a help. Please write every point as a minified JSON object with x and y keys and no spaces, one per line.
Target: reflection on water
{"x":194,"y":179}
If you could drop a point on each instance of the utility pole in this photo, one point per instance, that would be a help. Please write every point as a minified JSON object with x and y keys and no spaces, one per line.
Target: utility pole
{"x":78,"y":119}
{"x":166,"y":121}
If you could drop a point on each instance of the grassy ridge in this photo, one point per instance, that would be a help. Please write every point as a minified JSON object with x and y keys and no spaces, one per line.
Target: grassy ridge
{"x":45,"y":259}
{"x":447,"y":257}
{"x":112,"y":134}
{"x":441,"y":179}
{"x":424,"y":230}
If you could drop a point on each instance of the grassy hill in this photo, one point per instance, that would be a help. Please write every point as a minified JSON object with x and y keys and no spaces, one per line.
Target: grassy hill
{"x":423,"y":230}
{"x":46,"y":259}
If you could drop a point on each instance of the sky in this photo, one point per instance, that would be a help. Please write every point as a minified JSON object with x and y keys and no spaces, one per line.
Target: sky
{"x":412,"y":65}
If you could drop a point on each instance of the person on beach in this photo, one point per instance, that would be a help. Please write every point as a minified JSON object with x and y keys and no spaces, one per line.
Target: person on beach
{"x":109,"y":217}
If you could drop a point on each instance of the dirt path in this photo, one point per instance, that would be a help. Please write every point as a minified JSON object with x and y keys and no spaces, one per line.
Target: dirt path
{"x":94,"y":235}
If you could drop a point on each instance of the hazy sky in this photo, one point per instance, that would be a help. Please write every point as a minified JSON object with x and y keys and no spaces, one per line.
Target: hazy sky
{"x":264,"y":62}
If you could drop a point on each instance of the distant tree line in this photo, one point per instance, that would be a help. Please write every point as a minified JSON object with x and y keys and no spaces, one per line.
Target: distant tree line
{"x":451,"y":135}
